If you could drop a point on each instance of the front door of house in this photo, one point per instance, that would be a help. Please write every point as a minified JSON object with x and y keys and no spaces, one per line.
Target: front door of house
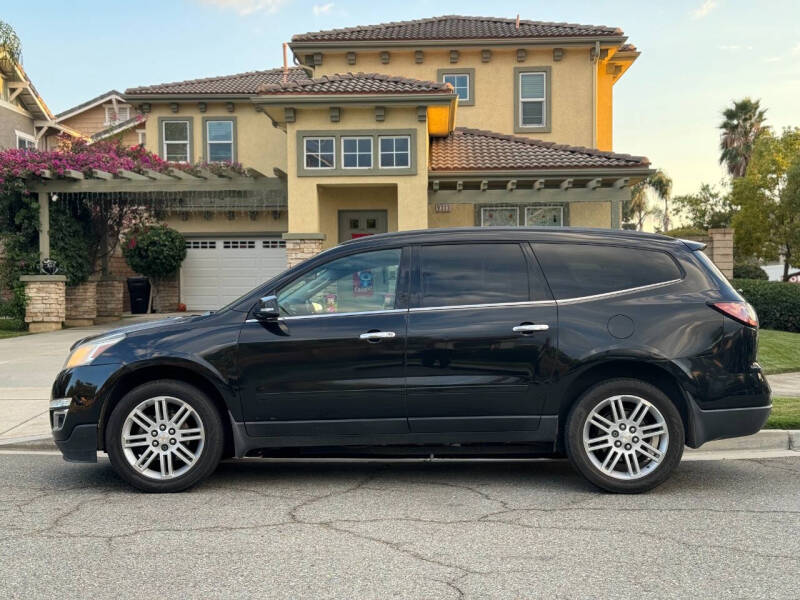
{"x":358,"y":223}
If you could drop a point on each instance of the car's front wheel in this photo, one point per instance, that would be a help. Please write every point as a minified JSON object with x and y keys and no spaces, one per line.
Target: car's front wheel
{"x":164,"y":436}
{"x":624,"y":435}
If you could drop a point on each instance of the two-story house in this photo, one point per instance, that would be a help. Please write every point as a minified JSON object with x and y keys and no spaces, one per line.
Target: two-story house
{"x":441,"y":122}
{"x":106,"y":116}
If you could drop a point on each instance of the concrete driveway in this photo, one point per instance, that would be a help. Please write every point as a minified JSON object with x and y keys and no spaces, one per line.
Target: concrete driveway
{"x":28,"y":366}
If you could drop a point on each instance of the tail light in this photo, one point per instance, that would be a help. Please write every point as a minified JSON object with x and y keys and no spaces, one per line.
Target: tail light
{"x":739,"y":311}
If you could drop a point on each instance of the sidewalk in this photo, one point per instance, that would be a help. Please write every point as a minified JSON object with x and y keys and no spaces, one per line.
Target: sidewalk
{"x":786,"y":385}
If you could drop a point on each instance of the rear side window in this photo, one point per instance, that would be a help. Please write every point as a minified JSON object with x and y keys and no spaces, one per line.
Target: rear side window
{"x":575,"y":270}
{"x":459,"y":274}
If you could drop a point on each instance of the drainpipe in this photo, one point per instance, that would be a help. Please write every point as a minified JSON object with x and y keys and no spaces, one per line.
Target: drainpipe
{"x":594,"y":59}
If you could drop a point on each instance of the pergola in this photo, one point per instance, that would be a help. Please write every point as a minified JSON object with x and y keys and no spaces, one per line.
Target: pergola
{"x":175,"y":189}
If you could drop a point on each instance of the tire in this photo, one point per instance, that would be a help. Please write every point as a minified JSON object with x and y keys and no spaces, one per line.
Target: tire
{"x":188,"y":441}
{"x":603,"y":444}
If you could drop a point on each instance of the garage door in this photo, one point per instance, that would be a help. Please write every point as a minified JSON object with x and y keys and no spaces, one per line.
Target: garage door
{"x":218,"y":270}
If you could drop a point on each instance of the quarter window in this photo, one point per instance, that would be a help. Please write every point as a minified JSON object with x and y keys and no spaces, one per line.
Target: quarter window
{"x":532,"y":99}
{"x":176,"y":140}
{"x":319,"y":153}
{"x":357,"y":152}
{"x":395,"y":151}
{"x":219,"y":136}
{"x":358,"y":283}
{"x":460,"y":83}
{"x":25,"y":141}
{"x":576,"y":270}
{"x":461,"y":274}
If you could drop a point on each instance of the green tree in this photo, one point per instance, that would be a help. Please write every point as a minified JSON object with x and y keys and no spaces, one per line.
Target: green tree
{"x":768,"y":196}
{"x":661,"y":184}
{"x":741,"y":127}
{"x":155,"y":252}
{"x":707,"y":209}
{"x":638,"y":208}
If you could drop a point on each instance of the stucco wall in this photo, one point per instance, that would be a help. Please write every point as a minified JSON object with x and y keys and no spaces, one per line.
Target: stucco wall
{"x":11,"y":119}
{"x":304,"y":197}
{"x":333,"y":199}
{"x":259,"y":144}
{"x":494,"y":106}
{"x":460,"y":215}
{"x":590,"y":214}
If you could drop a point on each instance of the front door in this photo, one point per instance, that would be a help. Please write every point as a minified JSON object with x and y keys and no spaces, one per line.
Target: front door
{"x":333,"y":364}
{"x":358,"y":223}
{"x":481,"y":339}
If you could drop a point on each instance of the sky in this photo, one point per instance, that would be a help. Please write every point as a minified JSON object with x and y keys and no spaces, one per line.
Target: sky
{"x":697,"y":55}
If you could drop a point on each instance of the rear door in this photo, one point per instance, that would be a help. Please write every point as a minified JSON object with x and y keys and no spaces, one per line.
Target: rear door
{"x":481,"y":338}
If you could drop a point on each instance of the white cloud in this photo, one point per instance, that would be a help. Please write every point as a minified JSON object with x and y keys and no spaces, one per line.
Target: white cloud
{"x":796,"y":49}
{"x":247,"y":7}
{"x":706,"y":7}
{"x":322,"y":9}
{"x":773,"y":59}
{"x":734,"y":47}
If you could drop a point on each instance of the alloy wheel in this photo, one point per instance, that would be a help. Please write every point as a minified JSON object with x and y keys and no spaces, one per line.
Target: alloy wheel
{"x":162,"y":437}
{"x":625,"y":437}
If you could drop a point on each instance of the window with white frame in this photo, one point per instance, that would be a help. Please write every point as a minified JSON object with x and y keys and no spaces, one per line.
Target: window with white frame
{"x":25,"y":141}
{"x":395,"y":151}
{"x":219,"y":141}
{"x":499,"y":216}
{"x":319,"y":152}
{"x":357,"y":152}
{"x":544,"y":216}
{"x":460,"y":83}
{"x":532,"y":99}
{"x":122,"y":113}
{"x":141,"y":133}
{"x":176,"y":140}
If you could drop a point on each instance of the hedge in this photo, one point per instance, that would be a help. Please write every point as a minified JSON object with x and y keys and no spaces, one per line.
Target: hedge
{"x":749,"y":271}
{"x":777,"y":303}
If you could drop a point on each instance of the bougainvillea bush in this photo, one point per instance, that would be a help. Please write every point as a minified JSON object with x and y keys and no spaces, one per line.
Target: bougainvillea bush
{"x":83,"y":234}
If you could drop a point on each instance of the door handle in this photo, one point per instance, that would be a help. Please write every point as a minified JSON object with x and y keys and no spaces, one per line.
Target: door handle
{"x":531,"y":328}
{"x":377,"y":335}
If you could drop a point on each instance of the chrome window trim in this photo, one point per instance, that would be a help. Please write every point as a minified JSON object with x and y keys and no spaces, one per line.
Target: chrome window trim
{"x":341,"y":314}
{"x":640,"y":288}
{"x":487,"y":305}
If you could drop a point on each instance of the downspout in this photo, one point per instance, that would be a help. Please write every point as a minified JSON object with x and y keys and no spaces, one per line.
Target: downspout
{"x":595,"y":58}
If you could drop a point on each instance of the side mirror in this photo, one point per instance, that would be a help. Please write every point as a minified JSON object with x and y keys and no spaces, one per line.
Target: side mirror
{"x":267,"y":309}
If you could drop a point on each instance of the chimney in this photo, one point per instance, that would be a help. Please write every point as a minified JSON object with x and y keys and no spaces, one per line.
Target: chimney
{"x":285,"y":63}
{"x":517,"y":20}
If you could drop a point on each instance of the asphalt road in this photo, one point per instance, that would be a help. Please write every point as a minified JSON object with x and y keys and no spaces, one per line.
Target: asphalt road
{"x":717,"y":529}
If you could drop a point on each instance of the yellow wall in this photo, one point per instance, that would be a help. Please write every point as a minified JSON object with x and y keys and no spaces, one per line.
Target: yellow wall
{"x":460,"y":215}
{"x":259,"y":144}
{"x":605,"y":113}
{"x":304,"y":194}
{"x":332,"y":199}
{"x":494,"y":85}
{"x":590,"y":214}
{"x":220,"y":223}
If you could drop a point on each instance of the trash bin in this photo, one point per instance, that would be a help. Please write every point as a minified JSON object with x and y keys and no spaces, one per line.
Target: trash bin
{"x":139,"y":291}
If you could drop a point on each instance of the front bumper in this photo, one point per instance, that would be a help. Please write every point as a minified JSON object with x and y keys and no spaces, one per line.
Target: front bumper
{"x":75,"y":417}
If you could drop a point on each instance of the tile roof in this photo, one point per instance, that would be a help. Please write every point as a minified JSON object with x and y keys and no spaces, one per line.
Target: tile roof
{"x":477,"y":150}
{"x":88,"y":103}
{"x":454,"y":27}
{"x":239,"y":84}
{"x":358,"y":83}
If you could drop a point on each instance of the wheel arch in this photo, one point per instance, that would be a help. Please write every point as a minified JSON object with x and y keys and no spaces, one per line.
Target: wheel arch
{"x":654,"y":374}
{"x":178,"y":372}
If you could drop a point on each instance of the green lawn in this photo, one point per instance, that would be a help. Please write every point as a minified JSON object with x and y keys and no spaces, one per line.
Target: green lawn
{"x":778,"y":351}
{"x":785,"y":414}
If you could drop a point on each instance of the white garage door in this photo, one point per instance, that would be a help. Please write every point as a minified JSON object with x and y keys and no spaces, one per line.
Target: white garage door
{"x":218,"y":270}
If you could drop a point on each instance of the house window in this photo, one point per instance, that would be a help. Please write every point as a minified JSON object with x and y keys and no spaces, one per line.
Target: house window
{"x":142,"y":137}
{"x":460,"y":83}
{"x":25,"y":141}
{"x":176,"y":141}
{"x":319,"y":153}
{"x":123,"y":113}
{"x":395,"y":152}
{"x":532,"y":99}
{"x":357,"y":152}
{"x":499,"y":216}
{"x":219,"y":140}
{"x":544,"y":216}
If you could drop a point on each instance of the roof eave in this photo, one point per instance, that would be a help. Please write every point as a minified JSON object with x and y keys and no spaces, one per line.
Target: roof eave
{"x":76,"y":110}
{"x":605,"y":40}
{"x":367,"y":99}
{"x":185,"y":97}
{"x":565,"y":172}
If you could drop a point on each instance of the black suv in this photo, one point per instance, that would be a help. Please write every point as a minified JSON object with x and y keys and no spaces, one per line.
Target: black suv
{"x":616,"y":348}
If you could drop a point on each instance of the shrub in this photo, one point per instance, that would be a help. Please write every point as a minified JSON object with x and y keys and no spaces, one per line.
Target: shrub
{"x":749,"y":271}
{"x":777,"y":303}
{"x":687,"y":233}
{"x":155,"y":252}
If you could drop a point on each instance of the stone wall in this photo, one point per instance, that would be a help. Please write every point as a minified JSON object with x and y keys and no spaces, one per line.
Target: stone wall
{"x":298,"y":250}
{"x":720,"y":250}
{"x":109,"y":300}
{"x":81,"y":304}
{"x":45,"y":296}
{"x":168,"y":289}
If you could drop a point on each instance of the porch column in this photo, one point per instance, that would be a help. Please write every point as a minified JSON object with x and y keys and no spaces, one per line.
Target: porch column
{"x":44,"y":226}
{"x":616,"y":214}
{"x":302,"y":246}
{"x":722,"y":250}
{"x":45,"y":307}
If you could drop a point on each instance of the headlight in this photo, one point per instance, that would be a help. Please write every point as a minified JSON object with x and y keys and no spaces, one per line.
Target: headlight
{"x":86,"y":353}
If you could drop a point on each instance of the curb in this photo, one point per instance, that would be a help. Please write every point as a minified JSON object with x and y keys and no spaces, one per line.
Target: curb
{"x":766,"y":439}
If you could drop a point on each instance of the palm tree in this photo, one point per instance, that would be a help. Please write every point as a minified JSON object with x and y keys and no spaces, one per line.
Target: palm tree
{"x":637,"y":207}
{"x":743,"y":123}
{"x":661,"y":184}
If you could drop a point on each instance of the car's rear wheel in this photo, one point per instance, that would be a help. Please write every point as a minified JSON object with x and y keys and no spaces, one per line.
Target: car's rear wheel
{"x":164,"y":436}
{"x":624,"y":435}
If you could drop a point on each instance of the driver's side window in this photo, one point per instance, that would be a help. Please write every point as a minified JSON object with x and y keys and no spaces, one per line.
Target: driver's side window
{"x":356,"y":283}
